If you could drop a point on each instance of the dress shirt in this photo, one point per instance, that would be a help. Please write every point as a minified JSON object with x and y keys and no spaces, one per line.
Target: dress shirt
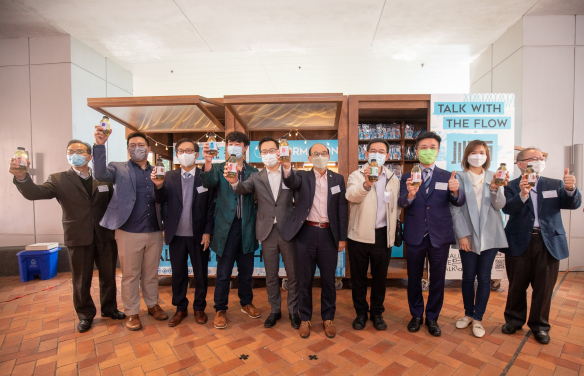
{"x":478,"y":185}
{"x":81,"y":174}
{"x":143,"y":218}
{"x":381,"y":219}
{"x":318,"y":211}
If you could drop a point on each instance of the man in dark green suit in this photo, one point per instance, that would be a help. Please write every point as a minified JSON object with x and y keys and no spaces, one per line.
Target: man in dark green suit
{"x":234,"y":234}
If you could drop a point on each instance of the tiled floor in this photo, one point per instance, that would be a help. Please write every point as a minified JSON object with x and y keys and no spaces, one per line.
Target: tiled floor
{"x":37,"y":336}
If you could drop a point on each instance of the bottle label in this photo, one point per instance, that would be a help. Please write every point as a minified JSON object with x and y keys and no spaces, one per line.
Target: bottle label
{"x":21,"y":161}
{"x":159,"y":170}
{"x":232,"y":167}
{"x":501,"y":174}
{"x":374,"y":171}
{"x":284,"y":151}
{"x":213,"y":145}
{"x":104,"y":124}
{"x":532,"y":177}
{"x":416,"y":177}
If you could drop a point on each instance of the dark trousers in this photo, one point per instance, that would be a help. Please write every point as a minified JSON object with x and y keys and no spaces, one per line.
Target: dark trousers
{"x":105,"y":256}
{"x":233,"y":252}
{"x":535,"y":266}
{"x":316,"y":246}
{"x":479,"y":267}
{"x":181,"y":248}
{"x":437,"y":258}
{"x":360,"y":255}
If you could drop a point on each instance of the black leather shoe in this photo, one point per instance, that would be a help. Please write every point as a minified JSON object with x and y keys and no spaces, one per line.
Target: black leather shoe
{"x":359,"y":322}
{"x":508,"y":328}
{"x":271,"y":320}
{"x":85,"y":325}
{"x":414,"y":324}
{"x":295,"y":320}
{"x":114,"y":315}
{"x":541,"y":337}
{"x":378,"y":322}
{"x":433,"y":328}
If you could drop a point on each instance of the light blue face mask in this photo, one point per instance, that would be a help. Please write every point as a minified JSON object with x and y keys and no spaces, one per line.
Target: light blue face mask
{"x":76,"y":160}
{"x":379,"y":158}
{"x":237,"y":150}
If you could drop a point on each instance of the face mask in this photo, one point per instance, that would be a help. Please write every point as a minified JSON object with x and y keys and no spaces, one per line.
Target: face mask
{"x":379,"y":158}
{"x":427,"y":156}
{"x":477,"y":160}
{"x":538,"y":166}
{"x":320,"y":162}
{"x":76,"y":160}
{"x":186,"y":160}
{"x":270,"y":160}
{"x":138,"y":154}
{"x":237,"y":150}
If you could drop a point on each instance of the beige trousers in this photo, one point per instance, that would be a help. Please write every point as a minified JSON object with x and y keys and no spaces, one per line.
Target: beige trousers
{"x":139,"y":257}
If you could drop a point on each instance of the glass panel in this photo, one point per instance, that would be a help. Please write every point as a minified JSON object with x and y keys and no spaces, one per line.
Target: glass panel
{"x":288,"y":115}
{"x":163,"y":118}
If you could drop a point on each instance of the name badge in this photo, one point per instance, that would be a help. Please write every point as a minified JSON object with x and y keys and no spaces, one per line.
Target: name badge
{"x":549,"y":194}
{"x":386,"y":197}
{"x":201,"y":189}
{"x":103,"y":188}
{"x":442,"y":186}
{"x":284,"y":186}
{"x":336,"y":189}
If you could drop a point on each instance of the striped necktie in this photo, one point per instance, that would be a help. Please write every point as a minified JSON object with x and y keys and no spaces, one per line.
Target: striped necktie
{"x":187,"y":175}
{"x":427,"y":179}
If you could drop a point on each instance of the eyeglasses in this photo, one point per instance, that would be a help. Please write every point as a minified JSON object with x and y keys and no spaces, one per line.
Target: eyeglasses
{"x":322,"y":153}
{"x":78,"y":151}
{"x":268,"y":151}
{"x":137,"y":145}
{"x":434,"y":147}
{"x":378,"y":151}
{"x":188,"y":151}
{"x":534,"y":159}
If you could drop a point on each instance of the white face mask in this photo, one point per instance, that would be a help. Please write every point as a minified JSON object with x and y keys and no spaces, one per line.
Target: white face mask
{"x":477,"y":160}
{"x":270,"y":160}
{"x":320,"y":162}
{"x":538,"y":166}
{"x":187,"y":160}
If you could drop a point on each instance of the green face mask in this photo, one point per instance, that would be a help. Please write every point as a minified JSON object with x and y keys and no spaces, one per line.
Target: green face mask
{"x":427,"y":156}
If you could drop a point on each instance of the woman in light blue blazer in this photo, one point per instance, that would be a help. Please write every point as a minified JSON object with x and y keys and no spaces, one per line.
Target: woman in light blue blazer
{"x":478,"y":226}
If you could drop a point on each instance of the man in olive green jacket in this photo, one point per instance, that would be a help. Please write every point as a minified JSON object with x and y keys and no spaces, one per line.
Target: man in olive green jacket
{"x":234,"y":233}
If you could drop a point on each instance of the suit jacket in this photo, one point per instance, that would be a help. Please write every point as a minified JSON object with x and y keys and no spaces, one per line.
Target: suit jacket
{"x":522,"y":216}
{"x":432,"y":208}
{"x":81,"y":215}
{"x":485,"y":229}
{"x":124,"y":178}
{"x":202,"y":209}
{"x":226,"y":208}
{"x":304,"y":182}
{"x":268,"y":208}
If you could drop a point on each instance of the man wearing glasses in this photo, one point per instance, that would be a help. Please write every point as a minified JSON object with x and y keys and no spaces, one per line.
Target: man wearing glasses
{"x":84,"y":200}
{"x":537,"y":242}
{"x":187,"y":229}
{"x":274,"y":207}
{"x":135,"y":216}
{"x":319,"y":224}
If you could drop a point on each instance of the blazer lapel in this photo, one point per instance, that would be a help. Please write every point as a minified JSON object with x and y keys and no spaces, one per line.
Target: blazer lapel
{"x":95,"y":185}
{"x":471,"y":201}
{"x":329,"y":180}
{"x":74,"y":178}
{"x":132,"y":174}
{"x":177,"y":179}
{"x":266,"y":181}
{"x":433,"y":180}
{"x":486,"y":204}
{"x":541,"y":186}
{"x":312,"y":179}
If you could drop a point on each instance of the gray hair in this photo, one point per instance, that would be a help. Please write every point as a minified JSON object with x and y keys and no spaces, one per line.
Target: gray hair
{"x":75,"y":141}
{"x":524,"y":151}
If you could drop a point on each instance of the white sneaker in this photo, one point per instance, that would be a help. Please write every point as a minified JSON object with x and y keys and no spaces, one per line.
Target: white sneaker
{"x":477,"y":329}
{"x":463,"y":322}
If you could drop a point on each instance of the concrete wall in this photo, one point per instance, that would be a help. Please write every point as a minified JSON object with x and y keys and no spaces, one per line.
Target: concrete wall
{"x":45,"y":84}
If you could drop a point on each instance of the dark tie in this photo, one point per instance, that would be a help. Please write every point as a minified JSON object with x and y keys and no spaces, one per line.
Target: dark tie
{"x":427,"y":178}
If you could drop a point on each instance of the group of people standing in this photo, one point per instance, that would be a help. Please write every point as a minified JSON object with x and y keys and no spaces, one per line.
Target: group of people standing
{"x":303,"y":216}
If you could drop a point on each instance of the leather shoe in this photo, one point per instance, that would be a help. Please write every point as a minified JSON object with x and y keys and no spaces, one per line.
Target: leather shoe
{"x":157,"y":313}
{"x":114,"y":315}
{"x":542,"y":337}
{"x":359,"y":322}
{"x":133,"y":322}
{"x":251,"y":311}
{"x":509,"y":328}
{"x":414,"y":324}
{"x":304,"y":329}
{"x":271,"y":320}
{"x":201,"y":317}
{"x":378,"y":322}
{"x":329,"y":328}
{"x":294,"y":320}
{"x":85,"y":325}
{"x":220,"y":321}
{"x":433,"y":328}
{"x":177,"y":318}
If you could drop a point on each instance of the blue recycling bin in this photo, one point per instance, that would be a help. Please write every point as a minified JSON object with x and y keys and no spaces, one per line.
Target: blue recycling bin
{"x":41,"y":263}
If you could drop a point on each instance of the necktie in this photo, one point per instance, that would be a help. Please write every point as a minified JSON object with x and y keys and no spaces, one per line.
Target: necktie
{"x":187,"y":175}
{"x":427,"y":178}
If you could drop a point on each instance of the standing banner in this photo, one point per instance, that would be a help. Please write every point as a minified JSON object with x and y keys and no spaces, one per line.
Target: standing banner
{"x":461,"y":118}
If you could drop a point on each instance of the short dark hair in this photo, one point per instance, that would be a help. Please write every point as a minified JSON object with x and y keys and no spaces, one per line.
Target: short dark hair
{"x":183,"y":140}
{"x":380,"y":140}
{"x":318,"y":143}
{"x":137,"y":134}
{"x":237,"y":137}
{"x":426,"y":135}
{"x":75,"y":141}
{"x":268,"y":139}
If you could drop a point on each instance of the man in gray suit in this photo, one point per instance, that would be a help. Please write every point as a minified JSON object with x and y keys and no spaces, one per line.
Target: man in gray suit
{"x":274,"y":207}
{"x":135,"y":216}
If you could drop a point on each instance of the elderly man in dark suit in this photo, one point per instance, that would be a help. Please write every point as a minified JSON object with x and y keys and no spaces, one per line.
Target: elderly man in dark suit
{"x":319,"y":225}
{"x":84,"y":201}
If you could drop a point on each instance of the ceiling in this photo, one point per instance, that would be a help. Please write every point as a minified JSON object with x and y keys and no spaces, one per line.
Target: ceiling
{"x":220,"y":47}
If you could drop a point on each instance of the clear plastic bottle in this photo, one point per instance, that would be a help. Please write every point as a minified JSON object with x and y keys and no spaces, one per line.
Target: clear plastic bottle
{"x":105,"y":126}
{"x":160,"y":169}
{"x":232,"y":166}
{"x":21,"y":158}
{"x":284,"y":150}
{"x":501,"y":174}
{"x":531,"y":175}
{"x":213,"y":147}
{"x":374,"y":175}
{"x":416,"y":175}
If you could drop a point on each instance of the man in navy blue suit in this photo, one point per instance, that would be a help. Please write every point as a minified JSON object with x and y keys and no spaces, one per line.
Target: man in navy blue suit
{"x":188,"y":227}
{"x":537,"y":242}
{"x":428,"y":230}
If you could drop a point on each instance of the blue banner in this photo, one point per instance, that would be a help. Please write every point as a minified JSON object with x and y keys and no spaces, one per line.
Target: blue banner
{"x":456,"y":143}
{"x":299,"y":150}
